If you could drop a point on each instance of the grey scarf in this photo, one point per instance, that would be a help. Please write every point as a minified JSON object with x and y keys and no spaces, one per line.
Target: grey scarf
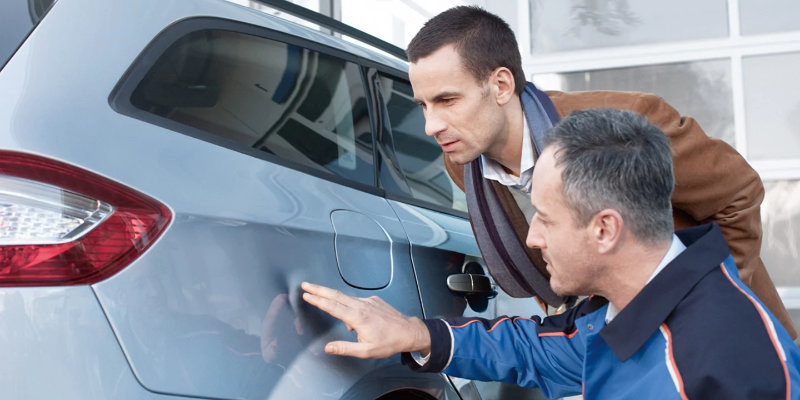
{"x":500,"y":227}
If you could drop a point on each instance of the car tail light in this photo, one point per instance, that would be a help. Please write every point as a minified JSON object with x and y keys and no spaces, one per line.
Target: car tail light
{"x":61,"y":225}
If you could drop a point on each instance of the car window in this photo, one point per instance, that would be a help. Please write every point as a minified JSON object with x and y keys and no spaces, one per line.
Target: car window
{"x":419,"y":156}
{"x":302,"y":106}
{"x":17,"y":19}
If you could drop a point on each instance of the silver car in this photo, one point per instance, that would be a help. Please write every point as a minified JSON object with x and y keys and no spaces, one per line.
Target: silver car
{"x":171,"y":170}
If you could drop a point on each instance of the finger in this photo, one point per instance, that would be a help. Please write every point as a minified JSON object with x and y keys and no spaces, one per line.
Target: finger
{"x":377,"y":304}
{"x":344,"y":348}
{"x":328,"y":293}
{"x":331,"y":307}
{"x":382,"y":301}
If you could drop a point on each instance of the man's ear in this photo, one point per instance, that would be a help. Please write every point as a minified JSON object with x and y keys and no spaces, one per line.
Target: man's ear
{"x":606,"y":229}
{"x":502,"y":81}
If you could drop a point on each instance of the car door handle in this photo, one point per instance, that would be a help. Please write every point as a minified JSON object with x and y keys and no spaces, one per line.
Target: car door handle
{"x":469,"y":283}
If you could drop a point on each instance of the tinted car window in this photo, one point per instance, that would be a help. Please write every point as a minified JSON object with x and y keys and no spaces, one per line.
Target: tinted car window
{"x":419,"y":156}
{"x":17,"y":19}
{"x":300,"y":105}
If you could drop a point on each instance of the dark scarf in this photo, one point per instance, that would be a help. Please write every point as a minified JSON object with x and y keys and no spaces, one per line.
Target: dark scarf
{"x":499,"y":225}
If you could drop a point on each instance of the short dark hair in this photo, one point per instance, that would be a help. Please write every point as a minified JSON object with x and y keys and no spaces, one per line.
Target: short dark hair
{"x":483,"y":40}
{"x":616,"y":159}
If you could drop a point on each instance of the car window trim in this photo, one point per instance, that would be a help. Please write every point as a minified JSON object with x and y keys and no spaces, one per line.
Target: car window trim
{"x":406,"y":198}
{"x":371,"y":75}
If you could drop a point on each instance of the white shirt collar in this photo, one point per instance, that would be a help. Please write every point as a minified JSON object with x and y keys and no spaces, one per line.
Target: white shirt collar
{"x":494,"y":171}
{"x":677,"y":247}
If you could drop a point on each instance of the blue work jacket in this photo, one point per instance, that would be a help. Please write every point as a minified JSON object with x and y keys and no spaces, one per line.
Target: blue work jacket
{"x":695,"y":331}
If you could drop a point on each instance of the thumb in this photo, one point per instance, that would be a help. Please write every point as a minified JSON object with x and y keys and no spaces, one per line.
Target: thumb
{"x":344,"y":348}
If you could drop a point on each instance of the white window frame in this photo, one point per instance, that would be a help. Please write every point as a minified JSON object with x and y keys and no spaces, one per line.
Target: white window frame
{"x":733,"y":48}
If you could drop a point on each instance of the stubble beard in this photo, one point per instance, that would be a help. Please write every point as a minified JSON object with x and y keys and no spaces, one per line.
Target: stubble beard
{"x":463,"y":157}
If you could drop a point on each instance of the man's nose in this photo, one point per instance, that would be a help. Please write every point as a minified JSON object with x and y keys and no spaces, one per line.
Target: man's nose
{"x":434,"y":124}
{"x":534,"y":239}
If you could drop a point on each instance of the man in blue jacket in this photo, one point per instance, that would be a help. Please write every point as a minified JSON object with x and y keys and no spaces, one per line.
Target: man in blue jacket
{"x":667,"y":315}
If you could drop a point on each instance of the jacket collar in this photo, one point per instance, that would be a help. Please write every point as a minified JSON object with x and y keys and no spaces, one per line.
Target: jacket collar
{"x":636,"y":323}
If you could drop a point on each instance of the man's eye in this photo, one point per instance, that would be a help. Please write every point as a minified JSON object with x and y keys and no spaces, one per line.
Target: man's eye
{"x":448,"y":100}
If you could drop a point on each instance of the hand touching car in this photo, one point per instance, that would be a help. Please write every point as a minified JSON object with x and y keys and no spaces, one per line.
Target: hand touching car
{"x":382,"y":331}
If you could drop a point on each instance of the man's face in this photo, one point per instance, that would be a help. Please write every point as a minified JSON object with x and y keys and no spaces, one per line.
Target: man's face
{"x":565,"y":246}
{"x":460,"y":113}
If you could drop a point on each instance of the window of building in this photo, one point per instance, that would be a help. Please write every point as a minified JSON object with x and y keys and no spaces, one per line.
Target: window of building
{"x":700,"y":89}
{"x":758,"y":17}
{"x":304,"y":107}
{"x":559,"y":25}
{"x":772,"y":106}
{"x":780,"y":216}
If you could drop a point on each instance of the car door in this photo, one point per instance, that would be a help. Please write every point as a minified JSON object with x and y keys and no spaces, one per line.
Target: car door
{"x":262,"y":147}
{"x":432,"y":210}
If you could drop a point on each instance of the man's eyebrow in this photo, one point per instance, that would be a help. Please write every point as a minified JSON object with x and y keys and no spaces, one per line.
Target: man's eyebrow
{"x":444,"y":95}
{"x":439,"y":96}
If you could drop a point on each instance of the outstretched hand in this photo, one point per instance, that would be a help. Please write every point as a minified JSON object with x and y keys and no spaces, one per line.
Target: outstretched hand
{"x":382,"y":331}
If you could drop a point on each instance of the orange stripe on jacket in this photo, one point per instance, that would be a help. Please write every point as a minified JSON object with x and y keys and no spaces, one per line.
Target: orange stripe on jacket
{"x":567,"y":335}
{"x":671,"y":365}
{"x":475,"y":320}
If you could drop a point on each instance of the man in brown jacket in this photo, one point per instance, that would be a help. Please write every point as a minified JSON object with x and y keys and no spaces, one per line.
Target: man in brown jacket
{"x":467,"y":76}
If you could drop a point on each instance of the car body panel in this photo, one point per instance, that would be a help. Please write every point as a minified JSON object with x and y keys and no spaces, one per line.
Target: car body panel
{"x":56,"y":343}
{"x":206,"y":292}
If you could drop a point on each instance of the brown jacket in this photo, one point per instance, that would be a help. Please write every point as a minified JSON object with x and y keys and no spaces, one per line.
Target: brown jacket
{"x":713,"y":182}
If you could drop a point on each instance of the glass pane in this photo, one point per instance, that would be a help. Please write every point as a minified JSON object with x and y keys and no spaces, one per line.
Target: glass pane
{"x":303,"y":106}
{"x":768,"y":17}
{"x":419,"y":155}
{"x":701,"y":90}
{"x":780,"y":217}
{"x":772,"y":106}
{"x":17,"y":19}
{"x":558,"y":25}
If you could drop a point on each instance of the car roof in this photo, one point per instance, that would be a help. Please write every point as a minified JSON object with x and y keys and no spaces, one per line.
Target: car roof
{"x":360,"y":46}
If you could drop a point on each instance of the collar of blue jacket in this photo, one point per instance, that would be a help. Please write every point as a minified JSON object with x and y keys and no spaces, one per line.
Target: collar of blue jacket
{"x":637,"y":322}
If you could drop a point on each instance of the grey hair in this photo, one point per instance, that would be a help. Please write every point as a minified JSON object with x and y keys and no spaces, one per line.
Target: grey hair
{"x":616,"y":159}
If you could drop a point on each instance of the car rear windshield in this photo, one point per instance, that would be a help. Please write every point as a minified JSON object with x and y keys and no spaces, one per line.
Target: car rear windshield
{"x":17,"y":20}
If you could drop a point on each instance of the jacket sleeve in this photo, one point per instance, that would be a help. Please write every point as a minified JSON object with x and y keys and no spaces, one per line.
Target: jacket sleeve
{"x":713,"y":182}
{"x":532,"y":352}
